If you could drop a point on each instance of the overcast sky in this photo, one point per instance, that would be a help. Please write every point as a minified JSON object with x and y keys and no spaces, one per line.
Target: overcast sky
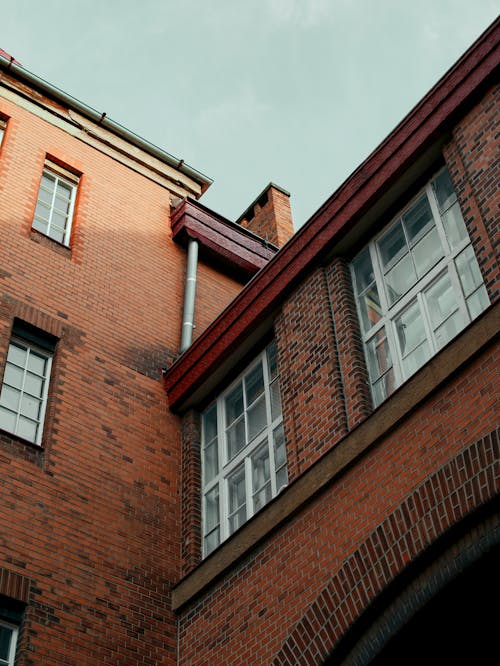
{"x":297,"y":92}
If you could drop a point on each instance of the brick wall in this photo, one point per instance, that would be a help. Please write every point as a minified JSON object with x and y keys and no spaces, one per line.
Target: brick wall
{"x":92,"y":519}
{"x":247,"y":617}
{"x":293,"y":596}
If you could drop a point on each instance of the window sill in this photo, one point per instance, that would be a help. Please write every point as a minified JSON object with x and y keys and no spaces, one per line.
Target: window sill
{"x":47,"y":241}
{"x":478,"y":335}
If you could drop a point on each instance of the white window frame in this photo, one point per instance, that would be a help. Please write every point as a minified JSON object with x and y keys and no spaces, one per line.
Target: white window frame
{"x":390,"y":312}
{"x":13,"y":643}
{"x":241,"y":461}
{"x":62,"y":178}
{"x":29,"y":347}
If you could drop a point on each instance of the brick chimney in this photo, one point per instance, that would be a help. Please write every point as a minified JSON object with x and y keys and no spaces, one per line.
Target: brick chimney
{"x":270,"y":216}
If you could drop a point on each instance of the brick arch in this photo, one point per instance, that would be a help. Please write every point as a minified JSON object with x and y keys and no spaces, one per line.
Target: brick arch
{"x":447,"y":497}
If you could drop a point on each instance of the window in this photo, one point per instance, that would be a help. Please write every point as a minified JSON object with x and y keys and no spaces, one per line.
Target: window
{"x":243,"y":450}
{"x":23,"y":398}
{"x":416,"y":286}
{"x":8,"y":638}
{"x":3,"y":125}
{"x":56,"y":198}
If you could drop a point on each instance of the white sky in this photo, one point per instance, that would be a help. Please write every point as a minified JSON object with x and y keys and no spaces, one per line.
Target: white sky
{"x":297,"y":92}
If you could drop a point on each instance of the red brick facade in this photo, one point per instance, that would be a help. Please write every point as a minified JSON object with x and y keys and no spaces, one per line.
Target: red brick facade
{"x":383,"y":503}
{"x":100,"y":553}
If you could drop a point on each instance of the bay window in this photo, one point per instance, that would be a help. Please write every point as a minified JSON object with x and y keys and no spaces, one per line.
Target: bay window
{"x":243,"y":450}
{"x":416,"y":285}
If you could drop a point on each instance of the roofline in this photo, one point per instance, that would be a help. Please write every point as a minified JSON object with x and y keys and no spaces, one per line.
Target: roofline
{"x":11,"y":65}
{"x":430,"y":118}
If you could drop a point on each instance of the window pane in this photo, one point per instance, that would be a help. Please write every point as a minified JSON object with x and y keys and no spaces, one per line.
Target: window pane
{"x":237,"y":500}
{"x":209,"y":424}
{"x":17,"y":355}
{"x":27,"y":429}
{"x":477,"y":302}
{"x":272,"y":361}
{"x":13,"y":376}
{"x":237,"y":495}
{"x":400,"y":279}
{"x":363,"y":271}
{"x":392,"y":246}
{"x":379,"y":357}
{"x":235,"y":438}
{"x":58,"y":222}
{"x":261,"y":478}
{"x":42,"y":214}
{"x":443,"y":189}
{"x":45,"y":196}
{"x":48,"y":181}
{"x":37,"y":363}
{"x":56,"y":235}
{"x":468,"y":270}
{"x":410,"y":329}
{"x":449,"y":329}
{"x":254,"y":384}
{"x":454,"y":225}
{"x":257,"y":418}
{"x":281,"y":478}
{"x":418,"y":219}
{"x":383,"y":387}
{"x":10,"y":397}
{"x":279,"y":446}
{"x":33,"y":384}
{"x":7,"y":420}
{"x":30,"y":407}
{"x":63,"y":191}
{"x":5,"y":639}
{"x":427,"y":252}
{"x":212,"y":540}
{"x":416,"y":358}
{"x":212,"y":518}
{"x":210,"y":461}
{"x":369,"y":308}
{"x":441,"y":300}
{"x":234,"y":404}
{"x":275,"y":399}
{"x":40,"y":225}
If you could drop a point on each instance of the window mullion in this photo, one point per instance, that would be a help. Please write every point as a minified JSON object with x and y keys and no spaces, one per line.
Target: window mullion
{"x":221,"y":448}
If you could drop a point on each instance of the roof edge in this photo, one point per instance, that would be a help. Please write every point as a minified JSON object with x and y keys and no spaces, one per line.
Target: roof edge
{"x":427,"y":120}
{"x":12,"y":66}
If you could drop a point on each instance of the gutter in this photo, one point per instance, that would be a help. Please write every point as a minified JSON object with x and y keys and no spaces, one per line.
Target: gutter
{"x":102,"y":120}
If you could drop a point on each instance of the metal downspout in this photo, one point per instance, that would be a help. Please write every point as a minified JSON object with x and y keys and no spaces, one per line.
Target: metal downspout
{"x":189,"y":295}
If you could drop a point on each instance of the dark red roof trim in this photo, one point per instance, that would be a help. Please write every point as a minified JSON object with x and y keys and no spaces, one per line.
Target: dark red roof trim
{"x":431,"y":117}
{"x":225,"y":241}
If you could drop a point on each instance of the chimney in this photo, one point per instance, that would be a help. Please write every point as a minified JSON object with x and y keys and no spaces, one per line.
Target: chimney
{"x":270,"y":216}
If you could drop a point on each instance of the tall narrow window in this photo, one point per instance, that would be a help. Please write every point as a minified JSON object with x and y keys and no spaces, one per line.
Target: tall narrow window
{"x":3,"y":125}
{"x":23,"y":397}
{"x":55,"y":203}
{"x":417,"y":285}
{"x":243,"y":450}
{"x":8,"y":639}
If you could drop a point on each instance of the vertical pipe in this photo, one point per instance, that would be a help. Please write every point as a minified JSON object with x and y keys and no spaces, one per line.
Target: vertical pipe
{"x":189,"y":295}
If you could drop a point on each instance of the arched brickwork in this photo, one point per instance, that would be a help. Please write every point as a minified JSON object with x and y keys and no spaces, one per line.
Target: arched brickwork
{"x":447,"y":497}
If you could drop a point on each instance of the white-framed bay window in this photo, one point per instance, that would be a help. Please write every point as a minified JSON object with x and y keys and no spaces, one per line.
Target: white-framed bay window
{"x":8,"y":640}
{"x":417,"y":285}
{"x":242,"y":450}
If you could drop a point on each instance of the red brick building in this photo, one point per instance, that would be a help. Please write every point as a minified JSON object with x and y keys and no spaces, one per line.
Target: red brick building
{"x":315,"y":478}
